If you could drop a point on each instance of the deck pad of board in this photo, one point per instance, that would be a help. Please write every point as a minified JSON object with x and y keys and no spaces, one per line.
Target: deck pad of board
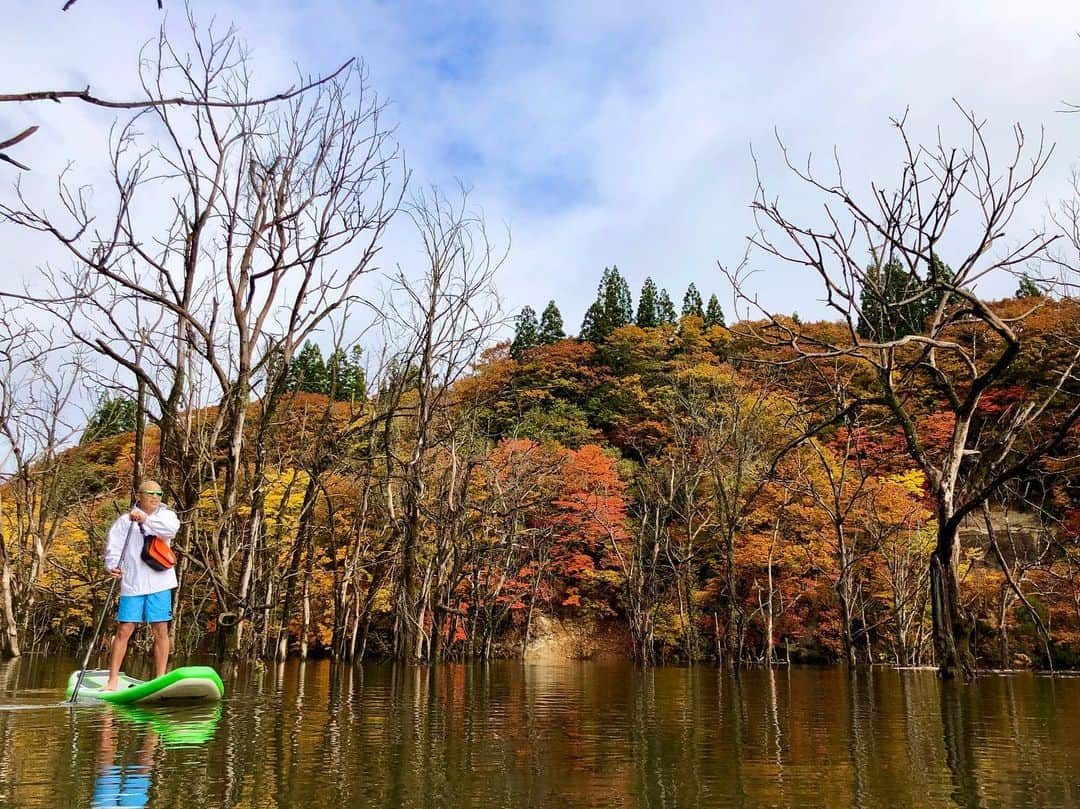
{"x":188,"y":683}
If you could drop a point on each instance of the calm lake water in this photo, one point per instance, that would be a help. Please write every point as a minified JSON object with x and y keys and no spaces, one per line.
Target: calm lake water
{"x":516,"y":735}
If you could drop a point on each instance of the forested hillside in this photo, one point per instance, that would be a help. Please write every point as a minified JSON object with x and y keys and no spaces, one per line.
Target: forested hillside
{"x":706,"y":492}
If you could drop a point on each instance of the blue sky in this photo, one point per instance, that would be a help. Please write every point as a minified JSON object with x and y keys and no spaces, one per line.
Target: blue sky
{"x":601,"y":133}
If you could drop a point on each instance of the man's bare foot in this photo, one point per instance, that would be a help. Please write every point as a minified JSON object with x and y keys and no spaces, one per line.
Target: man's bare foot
{"x":111,"y":685}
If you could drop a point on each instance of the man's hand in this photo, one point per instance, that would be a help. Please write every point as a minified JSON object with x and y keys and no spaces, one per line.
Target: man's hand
{"x":137,"y":515}
{"x":116,"y":573}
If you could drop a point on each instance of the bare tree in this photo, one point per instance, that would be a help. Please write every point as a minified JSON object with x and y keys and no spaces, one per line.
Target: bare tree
{"x":677,"y":515}
{"x":85,"y":95}
{"x":910,"y":321}
{"x":70,"y":3}
{"x":36,"y":392}
{"x":441,"y":320}
{"x":275,"y":210}
{"x":898,"y":526}
{"x":837,"y":483}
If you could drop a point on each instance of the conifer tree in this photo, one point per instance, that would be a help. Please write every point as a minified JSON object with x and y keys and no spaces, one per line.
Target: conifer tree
{"x":612,"y":309}
{"x":551,"y":325}
{"x":895,"y":301}
{"x":714,"y":315}
{"x":591,"y":326}
{"x":113,"y":416}
{"x":618,"y":305}
{"x":665,"y":309}
{"x":345,"y":375}
{"x":647,"y":315}
{"x":1028,"y":288}
{"x":526,"y":332}
{"x":308,"y":372}
{"x":691,"y":303}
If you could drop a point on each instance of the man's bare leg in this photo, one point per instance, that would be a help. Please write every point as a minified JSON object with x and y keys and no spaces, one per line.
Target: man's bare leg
{"x":119,"y":649}
{"x":161,"y":646}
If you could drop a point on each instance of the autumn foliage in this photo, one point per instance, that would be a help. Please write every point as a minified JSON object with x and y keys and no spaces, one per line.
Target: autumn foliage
{"x":654,"y":481}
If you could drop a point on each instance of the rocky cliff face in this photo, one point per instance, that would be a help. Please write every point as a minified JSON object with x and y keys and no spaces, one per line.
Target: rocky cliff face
{"x":553,"y":641}
{"x":1020,"y":535}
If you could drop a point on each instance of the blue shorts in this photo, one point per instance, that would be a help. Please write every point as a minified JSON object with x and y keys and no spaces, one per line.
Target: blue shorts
{"x":150,"y":608}
{"x":121,"y":786}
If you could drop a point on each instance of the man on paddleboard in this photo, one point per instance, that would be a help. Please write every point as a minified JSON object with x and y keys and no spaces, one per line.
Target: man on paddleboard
{"x":145,"y":593}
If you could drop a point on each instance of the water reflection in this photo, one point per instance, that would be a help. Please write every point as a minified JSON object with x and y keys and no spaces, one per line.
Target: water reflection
{"x":509,"y":734}
{"x":122,"y":779}
{"x":129,"y":737}
{"x":176,"y":726}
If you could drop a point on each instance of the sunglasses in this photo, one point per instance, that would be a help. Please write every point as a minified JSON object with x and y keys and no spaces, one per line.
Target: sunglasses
{"x":156,"y":493}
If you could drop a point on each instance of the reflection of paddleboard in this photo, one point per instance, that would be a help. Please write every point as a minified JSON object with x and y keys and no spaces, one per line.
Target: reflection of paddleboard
{"x":185,"y":683}
{"x":188,"y":726}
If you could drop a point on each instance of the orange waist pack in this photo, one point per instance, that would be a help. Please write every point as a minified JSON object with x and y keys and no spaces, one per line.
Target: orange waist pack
{"x":157,"y":553}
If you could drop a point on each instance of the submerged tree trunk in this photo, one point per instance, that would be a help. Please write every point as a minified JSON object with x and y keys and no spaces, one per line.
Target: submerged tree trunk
{"x":769,"y":613}
{"x":734,"y":634}
{"x":951,"y":631}
{"x":1004,"y":602}
{"x":9,"y":635}
{"x":305,"y":624}
{"x":843,"y":595}
{"x":303,"y":543}
{"x":844,"y":589}
{"x":409,"y":610}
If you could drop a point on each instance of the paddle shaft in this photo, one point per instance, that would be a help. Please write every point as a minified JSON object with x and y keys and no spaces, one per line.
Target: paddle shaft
{"x":101,"y":620}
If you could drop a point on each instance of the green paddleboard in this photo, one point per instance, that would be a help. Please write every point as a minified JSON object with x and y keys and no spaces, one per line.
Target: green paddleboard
{"x":188,"y":683}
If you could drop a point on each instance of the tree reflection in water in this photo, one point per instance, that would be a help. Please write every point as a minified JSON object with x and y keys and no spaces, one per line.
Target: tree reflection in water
{"x":580,"y":734}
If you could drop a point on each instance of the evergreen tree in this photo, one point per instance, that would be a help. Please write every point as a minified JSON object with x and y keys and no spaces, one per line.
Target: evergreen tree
{"x":526,"y":332}
{"x":714,"y":315}
{"x":665,"y":309}
{"x":354,"y":379}
{"x":691,"y":303}
{"x":895,"y":302}
{"x":612,"y":309}
{"x":591,"y":326}
{"x":112,"y":416}
{"x":309,"y":373}
{"x":345,"y":375}
{"x":647,"y":316}
{"x":551,"y":325}
{"x":940,"y":274}
{"x":618,"y":306}
{"x":1028,"y":288}
{"x":875,"y":320}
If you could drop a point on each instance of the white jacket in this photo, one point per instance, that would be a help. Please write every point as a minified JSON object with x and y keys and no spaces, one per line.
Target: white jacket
{"x":139,"y":578}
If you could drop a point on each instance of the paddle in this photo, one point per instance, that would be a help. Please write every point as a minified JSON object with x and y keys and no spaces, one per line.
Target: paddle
{"x":101,"y":620}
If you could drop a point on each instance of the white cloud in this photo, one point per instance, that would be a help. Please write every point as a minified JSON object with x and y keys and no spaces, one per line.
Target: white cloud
{"x":608,"y":132}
